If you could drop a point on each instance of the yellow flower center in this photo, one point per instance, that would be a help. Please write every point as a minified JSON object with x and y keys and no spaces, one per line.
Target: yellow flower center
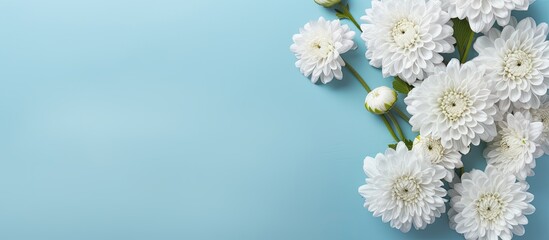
{"x":405,"y":34}
{"x":406,"y":189}
{"x":517,"y":65}
{"x":432,"y":149}
{"x":454,"y":104}
{"x":490,"y":206}
{"x":322,"y":48}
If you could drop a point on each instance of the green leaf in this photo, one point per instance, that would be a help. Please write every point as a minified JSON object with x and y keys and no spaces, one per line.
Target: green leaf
{"x":464,"y":37}
{"x":401,"y":86}
{"x":409,"y":144}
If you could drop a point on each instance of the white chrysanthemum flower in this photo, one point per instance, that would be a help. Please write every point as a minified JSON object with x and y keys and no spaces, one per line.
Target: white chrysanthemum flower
{"x":482,"y":14}
{"x":327,"y":3}
{"x":380,"y":100}
{"x":406,"y":37}
{"x":490,"y":204}
{"x":456,"y":106}
{"x":403,"y":189}
{"x":515,"y":147}
{"x":431,"y":149}
{"x":318,"y":48}
{"x":542,"y":115}
{"x":517,"y":63}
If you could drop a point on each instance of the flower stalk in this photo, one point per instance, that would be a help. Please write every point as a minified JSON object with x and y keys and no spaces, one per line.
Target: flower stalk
{"x":357,"y":76}
{"x":388,"y":126}
{"x":401,"y":114}
{"x":345,"y":13}
{"x":396,"y":124}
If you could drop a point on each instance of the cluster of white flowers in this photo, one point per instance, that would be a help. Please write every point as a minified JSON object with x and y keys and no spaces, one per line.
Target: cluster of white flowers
{"x":499,"y":97}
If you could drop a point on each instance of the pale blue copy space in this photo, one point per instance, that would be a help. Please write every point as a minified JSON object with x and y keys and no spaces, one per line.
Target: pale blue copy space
{"x":172,"y":119}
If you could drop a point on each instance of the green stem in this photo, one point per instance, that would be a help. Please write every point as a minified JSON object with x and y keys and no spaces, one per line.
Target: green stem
{"x":346,"y":13}
{"x":350,"y":15}
{"x":357,"y":76}
{"x":401,"y":114}
{"x":396,"y":124}
{"x":461,"y":171}
{"x":388,"y":125}
{"x":469,"y":44}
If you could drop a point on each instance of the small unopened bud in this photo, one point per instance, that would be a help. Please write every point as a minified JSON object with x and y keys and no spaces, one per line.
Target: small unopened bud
{"x":327,"y":3}
{"x":380,"y":100}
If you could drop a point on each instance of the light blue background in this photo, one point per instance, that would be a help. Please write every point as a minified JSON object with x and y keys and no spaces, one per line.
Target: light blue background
{"x":172,"y":119}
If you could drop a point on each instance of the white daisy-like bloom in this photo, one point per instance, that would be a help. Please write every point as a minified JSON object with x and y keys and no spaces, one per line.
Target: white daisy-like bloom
{"x":489,"y":205}
{"x":516,"y":147}
{"x":403,"y":189}
{"x":455,"y":106}
{"x":517,"y":63}
{"x":318,"y":48}
{"x":431,"y":149}
{"x":405,"y":37}
{"x":541,"y":114}
{"x":380,"y":100}
{"x":482,"y":14}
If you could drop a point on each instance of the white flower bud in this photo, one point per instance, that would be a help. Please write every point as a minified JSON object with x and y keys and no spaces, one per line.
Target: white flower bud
{"x":380,"y":100}
{"x":327,"y":3}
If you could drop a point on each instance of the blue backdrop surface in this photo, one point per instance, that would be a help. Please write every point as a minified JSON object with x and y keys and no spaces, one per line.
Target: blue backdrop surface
{"x":169,"y":119}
